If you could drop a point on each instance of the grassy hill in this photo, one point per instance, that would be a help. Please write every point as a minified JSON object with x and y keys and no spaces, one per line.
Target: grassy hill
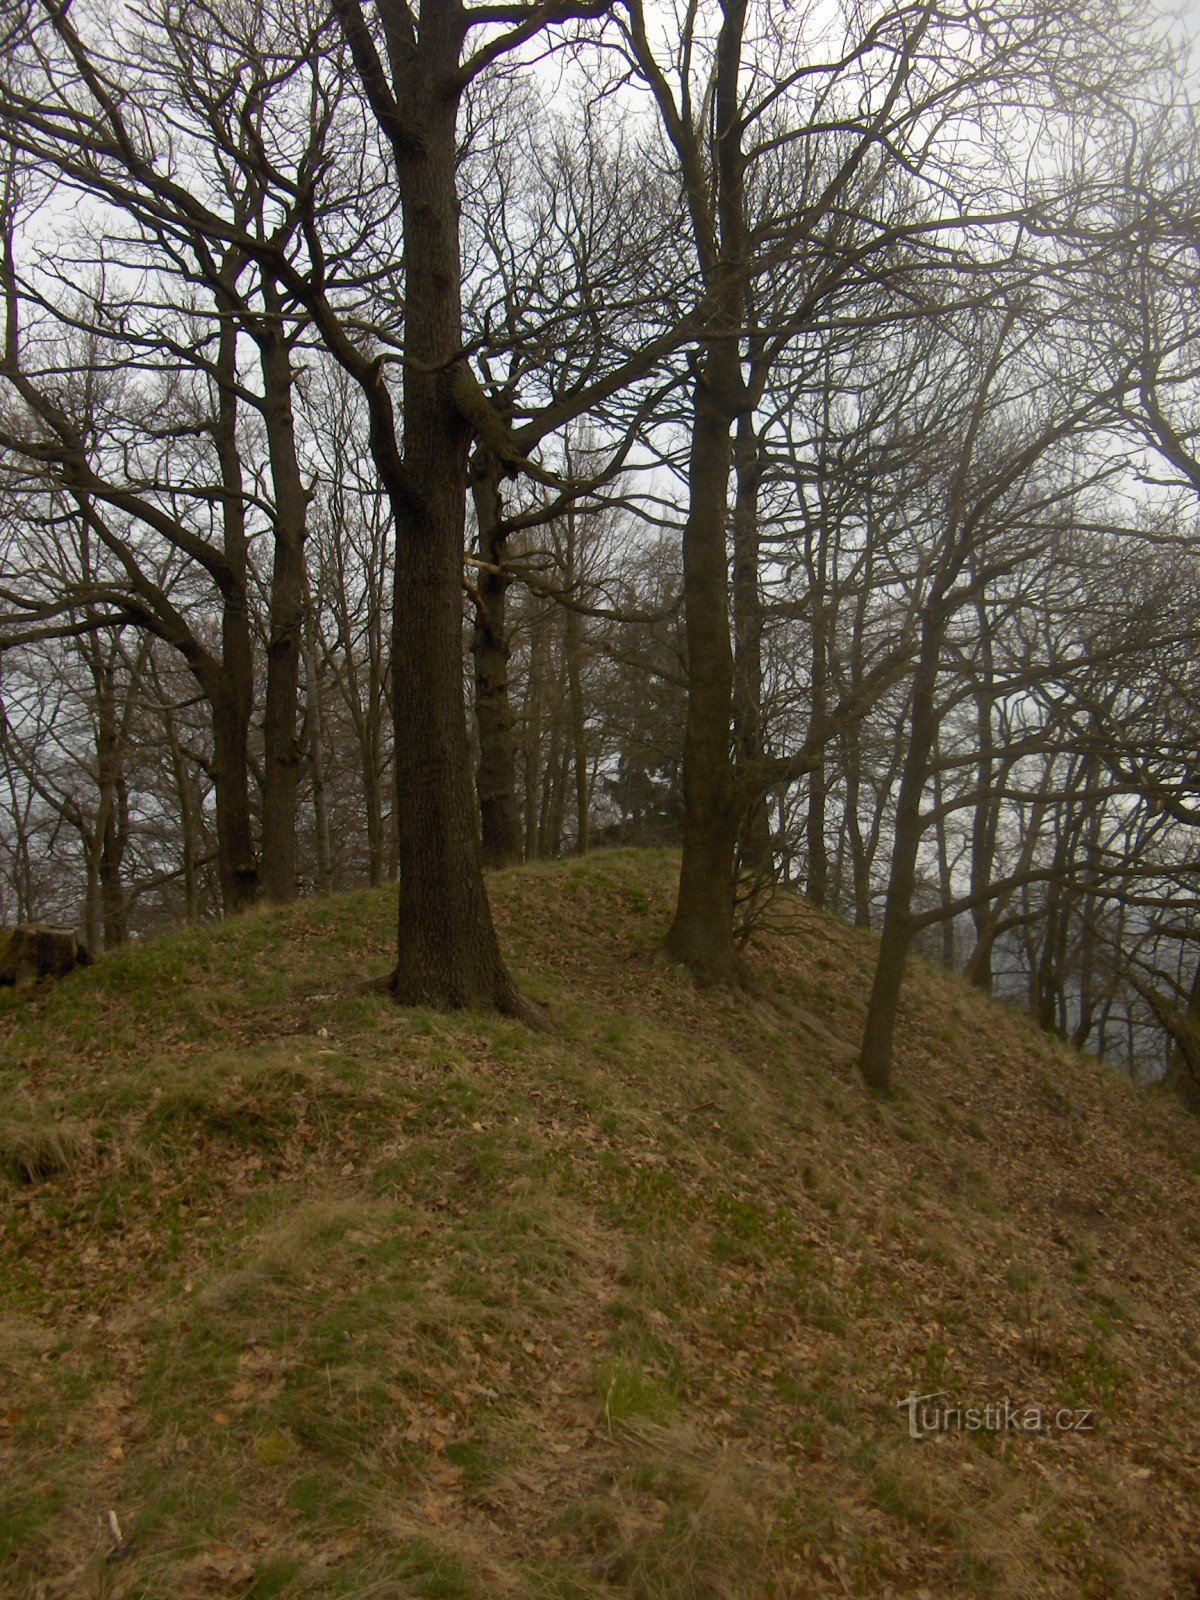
{"x":302,"y":1295}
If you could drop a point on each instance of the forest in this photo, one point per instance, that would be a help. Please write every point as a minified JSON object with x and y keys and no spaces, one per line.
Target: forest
{"x":440,"y":436}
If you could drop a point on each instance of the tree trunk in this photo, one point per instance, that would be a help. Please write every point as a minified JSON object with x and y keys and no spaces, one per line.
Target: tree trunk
{"x":875,"y":1058}
{"x":988,"y":927}
{"x":93,"y":921}
{"x":316,"y":753}
{"x":496,"y":774}
{"x":281,"y":749}
{"x":986,"y":817}
{"x":112,"y":812}
{"x":551,"y":777}
{"x":945,"y":882}
{"x":236,"y":866}
{"x":573,"y":653}
{"x":860,"y":866}
{"x":362,"y":683}
{"x":1182,"y":1039}
{"x":701,"y":934}
{"x":1047,"y":973}
{"x":861,"y":853}
{"x":231,"y":691}
{"x":817,"y":887}
{"x":112,"y":856}
{"x":1089,"y":827}
{"x":755,"y":842}
{"x":447,"y":953}
{"x":531,"y":732}
{"x":554,"y":791}
{"x":378,"y":854}
{"x":18,"y":812}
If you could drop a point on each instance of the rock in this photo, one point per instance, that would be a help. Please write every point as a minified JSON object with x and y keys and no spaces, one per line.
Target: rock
{"x":36,"y":950}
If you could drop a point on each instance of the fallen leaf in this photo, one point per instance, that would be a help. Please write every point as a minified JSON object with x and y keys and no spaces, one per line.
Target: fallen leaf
{"x":273,"y":1449}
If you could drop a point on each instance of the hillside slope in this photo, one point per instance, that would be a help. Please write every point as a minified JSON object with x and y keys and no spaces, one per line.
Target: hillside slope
{"x":302,"y":1295}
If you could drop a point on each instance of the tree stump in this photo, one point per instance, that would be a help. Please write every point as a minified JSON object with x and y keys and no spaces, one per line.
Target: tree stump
{"x":36,"y":950}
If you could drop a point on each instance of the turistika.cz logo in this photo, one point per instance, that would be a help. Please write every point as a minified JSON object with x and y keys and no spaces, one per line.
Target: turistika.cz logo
{"x":926,"y":1416}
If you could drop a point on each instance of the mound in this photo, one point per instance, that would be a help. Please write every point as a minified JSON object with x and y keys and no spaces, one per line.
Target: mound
{"x":303,"y":1295}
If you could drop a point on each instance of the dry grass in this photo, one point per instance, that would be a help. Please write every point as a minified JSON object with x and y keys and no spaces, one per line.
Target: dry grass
{"x":33,"y":1151}
{"x":321,"y":1298}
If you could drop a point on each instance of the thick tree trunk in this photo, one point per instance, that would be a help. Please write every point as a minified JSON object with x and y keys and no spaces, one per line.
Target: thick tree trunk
{"x":236,"y":866}
{"x":447,"y":952}
{"x":496,"y":774}
{"x":701,"y":934}
{"x":231,"y":691}
{"x":93,"y":920}
{"x":281,"y":749}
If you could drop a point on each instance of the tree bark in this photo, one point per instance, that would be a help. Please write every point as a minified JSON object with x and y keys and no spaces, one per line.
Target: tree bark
{"x":362,"y":680}
{"x":701,"y":934}
{"x":860,"y":865}
{"x":986,"y":817}
{"x":232,"y":695}
{"x":573,"y":653}
{"x":447,"y":952}
{"x":755,"y":843}
{"x":945,"y":883}
{"x":112,"y":856}
{"x":875,"y":1057}
{"x":531,"y":731}
{"x":862,"y":850}
{"x":285,"y":628}
{"x":496,"y":774}
{"x":817,"y":886}
{"x":236,"y":865}
{"x":315,"y":727}
{"x":106,"y":848}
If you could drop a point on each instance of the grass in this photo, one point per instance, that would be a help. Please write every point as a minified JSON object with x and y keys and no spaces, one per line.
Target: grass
{"x":321,"y":1298}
